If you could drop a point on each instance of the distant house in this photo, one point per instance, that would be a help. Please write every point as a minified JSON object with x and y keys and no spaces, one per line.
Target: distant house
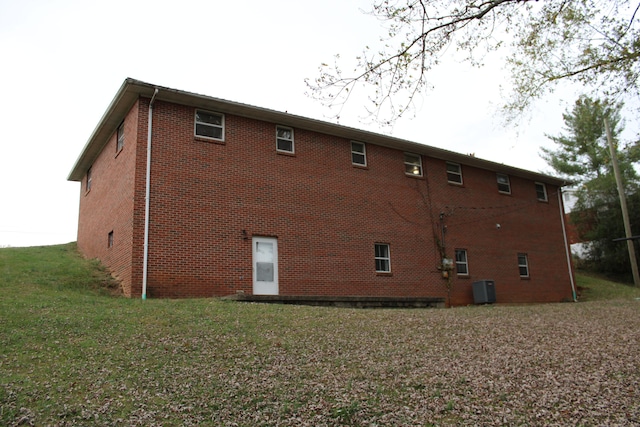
{"x":185,"y":195}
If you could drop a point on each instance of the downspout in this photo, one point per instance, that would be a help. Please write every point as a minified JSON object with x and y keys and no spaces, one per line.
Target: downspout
{"x":566,"y":245}
{"x":145,"y":262}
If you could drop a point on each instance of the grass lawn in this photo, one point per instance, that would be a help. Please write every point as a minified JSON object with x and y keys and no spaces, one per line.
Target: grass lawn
{"x":73,"y":354}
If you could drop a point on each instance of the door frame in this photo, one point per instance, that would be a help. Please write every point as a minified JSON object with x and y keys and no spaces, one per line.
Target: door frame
{"x":261,"y":287}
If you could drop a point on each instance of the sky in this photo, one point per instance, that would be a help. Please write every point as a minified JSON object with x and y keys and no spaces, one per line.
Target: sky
{"x":64,"y":60}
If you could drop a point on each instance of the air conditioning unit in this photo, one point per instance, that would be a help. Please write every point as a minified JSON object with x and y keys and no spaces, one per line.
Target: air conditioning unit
{"x":484,"y":292}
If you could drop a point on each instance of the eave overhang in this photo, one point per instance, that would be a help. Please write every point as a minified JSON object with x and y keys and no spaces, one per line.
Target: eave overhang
{"x":131,"y":90}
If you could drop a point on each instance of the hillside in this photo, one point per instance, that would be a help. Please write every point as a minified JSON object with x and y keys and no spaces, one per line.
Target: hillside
{"x":72,"y":354}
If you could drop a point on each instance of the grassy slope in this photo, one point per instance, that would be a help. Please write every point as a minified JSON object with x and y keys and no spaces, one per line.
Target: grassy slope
{"x":71,"y":354}
{"x":597,"y":288}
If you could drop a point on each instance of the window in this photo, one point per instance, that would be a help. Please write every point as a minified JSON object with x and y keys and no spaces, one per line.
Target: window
{"x":88,"y":184}
{"x":504,"y":186}
{"x":209,"y":125}
{"x":284,"y":139}
{"x":110,"y":240}
{"x":541,"y":192}
{"x":120,"y":138}
{"x":412,"y":164}
{"x":462,"y":267}
{"x":523,"y":265}
{"x":358,"y":154}
{"x":454,"y":173}
{"x":383,"y":261}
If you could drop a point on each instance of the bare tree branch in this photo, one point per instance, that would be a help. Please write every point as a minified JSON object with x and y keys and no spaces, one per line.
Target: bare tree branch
{"x":554,"y":41}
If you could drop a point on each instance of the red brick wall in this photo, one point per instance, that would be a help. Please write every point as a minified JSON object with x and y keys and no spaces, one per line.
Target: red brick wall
{"x":209,"y":199}
{"x":472,"y":213}
{"x":108,"y":206}
{"x":326,"y":214}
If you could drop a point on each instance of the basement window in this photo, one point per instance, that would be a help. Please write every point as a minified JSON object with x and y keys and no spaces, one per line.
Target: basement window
{"x":541,"y":192}
{"x":358,"y":154}
{"x":209,"y":125}
{"x":454,"y":173}
{"x":383,"y":260}
{"x":504,"y":186}
{"x":284,"y":139}
{"x":462,"y":266}
{"x":523,"y":265}
{"x":412,"y":164}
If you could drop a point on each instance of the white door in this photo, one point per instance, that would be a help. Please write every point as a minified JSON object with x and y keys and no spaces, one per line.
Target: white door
{"x":265,"y":266}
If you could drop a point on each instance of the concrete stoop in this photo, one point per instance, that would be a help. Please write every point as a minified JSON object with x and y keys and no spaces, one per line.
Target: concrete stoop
{"x":343,"y":301}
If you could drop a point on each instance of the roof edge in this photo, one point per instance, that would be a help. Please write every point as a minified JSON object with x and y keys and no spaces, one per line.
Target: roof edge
{"x":93,"y":146}
{"x":132,"y":89}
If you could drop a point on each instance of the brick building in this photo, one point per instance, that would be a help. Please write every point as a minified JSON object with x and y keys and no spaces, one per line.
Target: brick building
{"x":242,"y":198}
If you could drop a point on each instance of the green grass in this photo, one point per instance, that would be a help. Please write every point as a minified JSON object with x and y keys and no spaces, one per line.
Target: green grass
{"x":72,"y":353}
{"x":66,"y":345}
{"x":597,"y":288}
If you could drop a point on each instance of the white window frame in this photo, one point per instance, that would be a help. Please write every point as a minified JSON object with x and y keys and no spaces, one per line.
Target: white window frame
{"x":462,"y":263}
{"x":457,"y":173}
{"x":120,"y":138}
{"x":280,"y":138}
{"x":523,"y":263}
{"x":507,"y":183}
{"x":412,"y":168}
{"x":543,"y":186}
{"x":362,"y":153}
{"x":382,"y":258}
{"x":197,"y":123}
{"x":89,"y":178}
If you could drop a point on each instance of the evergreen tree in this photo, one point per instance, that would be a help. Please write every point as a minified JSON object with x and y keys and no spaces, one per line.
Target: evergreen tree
{"x":583,"y":156}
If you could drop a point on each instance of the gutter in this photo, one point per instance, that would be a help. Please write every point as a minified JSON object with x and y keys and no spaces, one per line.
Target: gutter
{"x":566,"y":245}
{"x":145,"y":262}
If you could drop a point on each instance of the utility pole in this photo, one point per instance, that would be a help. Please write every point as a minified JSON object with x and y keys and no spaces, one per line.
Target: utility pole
{"x":623,"y":205}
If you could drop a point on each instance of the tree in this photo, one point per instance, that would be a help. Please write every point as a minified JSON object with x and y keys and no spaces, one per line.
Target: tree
{"x":583,"y":156}
{"x":597,"y":217}
{"x":592,"y":42}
